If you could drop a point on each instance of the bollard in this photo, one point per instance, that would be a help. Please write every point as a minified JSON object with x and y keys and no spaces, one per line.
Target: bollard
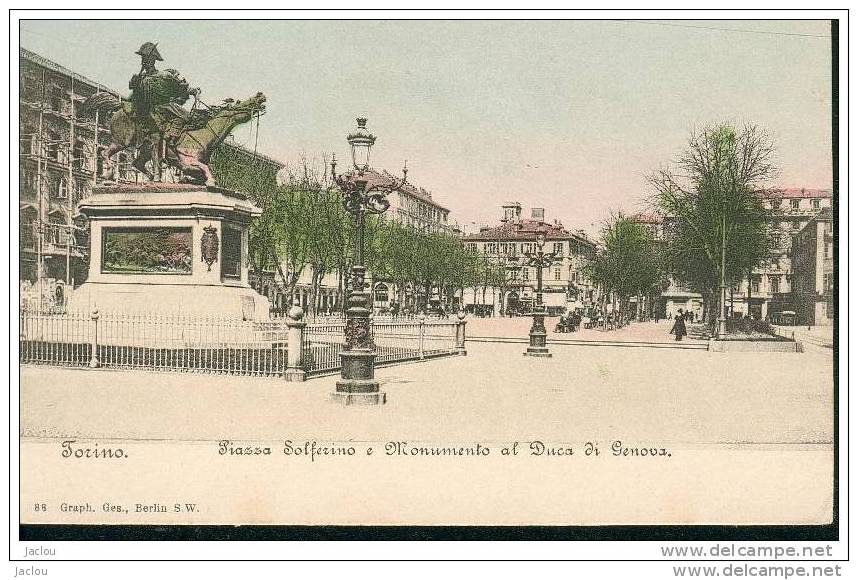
{"x":93,"y":359}
{"x":460,"y":333}
{"x":295,"y":323}
{"x":420,"y":334}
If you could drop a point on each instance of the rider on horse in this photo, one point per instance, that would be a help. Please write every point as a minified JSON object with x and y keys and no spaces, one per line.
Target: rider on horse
{"x":153,"y":120}
{"x":157,"y":97}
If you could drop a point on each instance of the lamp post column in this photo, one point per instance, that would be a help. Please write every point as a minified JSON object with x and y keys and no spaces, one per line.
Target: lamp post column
{"x":722,"y":287}
{"x":538,"y":334}
{"x":357,"y":385}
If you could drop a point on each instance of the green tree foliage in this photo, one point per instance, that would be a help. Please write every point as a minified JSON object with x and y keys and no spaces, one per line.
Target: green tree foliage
{"x":238,"y":170}
{"x":630,"y":262}
{"x":715,"y":197}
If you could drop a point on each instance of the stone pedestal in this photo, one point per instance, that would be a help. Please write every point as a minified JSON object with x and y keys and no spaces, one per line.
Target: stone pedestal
{"x":204,"y":270}
{"x":538,"y":335}
{"x":357,"y":385}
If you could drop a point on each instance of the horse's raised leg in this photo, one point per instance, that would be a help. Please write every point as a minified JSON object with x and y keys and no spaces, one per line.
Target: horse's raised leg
{"x":210,"y":180}
{"x":190,"y":163}
{"x":144,"y":154}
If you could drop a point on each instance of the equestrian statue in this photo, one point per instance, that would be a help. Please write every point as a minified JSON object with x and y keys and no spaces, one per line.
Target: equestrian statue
{"x":153,"y":120}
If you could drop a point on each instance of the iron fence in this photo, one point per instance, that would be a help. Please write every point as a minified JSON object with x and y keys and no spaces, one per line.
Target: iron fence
{"x":154,"y":342}
{"x":322,"y":344}
{"x":395,"y":341}
{"x":216,"y":345}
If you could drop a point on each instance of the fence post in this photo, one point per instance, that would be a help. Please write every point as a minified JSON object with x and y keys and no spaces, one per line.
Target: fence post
{"x":420,"y":333}
{"x":93,"y":359}
{"x":460,"y":333}
{"x":295,"y":323}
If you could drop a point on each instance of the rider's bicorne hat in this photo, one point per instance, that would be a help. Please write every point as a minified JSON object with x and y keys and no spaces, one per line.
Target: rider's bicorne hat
{"x":149,"y":49}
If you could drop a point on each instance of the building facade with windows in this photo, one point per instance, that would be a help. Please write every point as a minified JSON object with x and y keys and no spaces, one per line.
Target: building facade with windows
{"x":768,"y":290}
{"x":564,"y":283}
{"x":413,"y":206}
{"x":58,"y":165}
{"x":813,"y":271}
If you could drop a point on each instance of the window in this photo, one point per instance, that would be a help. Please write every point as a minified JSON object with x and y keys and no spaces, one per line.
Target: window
{"x":78,"y":155}
{"x":57,"y":99}
{"x":230,"y":253}
{"x":381,"y":293}
{"x":814,"y":203}
{"x":775,"y":284}
{"x":52,"y":147}
{"x":776,"y":203}
{"x":527,"y":248}
{"x":755,"y":286}
{"x":558,"y":249}
{"x":471,"y":247}
{"x":146,"y":250}
{"x":557,"y":272}
{"x":28,"y":227}
{"x":794,"y":203}
{"x":778,"y":239}
{"x":525,"y":273}
{"x":78,"y":110}
{"x":62,"y":189}
{"x":826,"y":249}
{"x":56,"y":233}
{"x":99,"y":161}
{"x":26,"y":144}
{"x":79,"y":190}
{"x":28,"y":181}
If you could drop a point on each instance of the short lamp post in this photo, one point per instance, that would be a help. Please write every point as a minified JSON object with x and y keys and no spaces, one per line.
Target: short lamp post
{"x":538,"y":260}
{"x":357,"y":384}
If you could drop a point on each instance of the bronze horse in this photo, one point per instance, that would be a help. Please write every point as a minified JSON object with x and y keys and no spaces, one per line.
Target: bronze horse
{"x":186,"y":140}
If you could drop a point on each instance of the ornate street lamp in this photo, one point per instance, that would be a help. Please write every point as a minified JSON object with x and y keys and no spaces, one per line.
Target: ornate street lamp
{"x":538,"y":260}
{"x":362,"y":194}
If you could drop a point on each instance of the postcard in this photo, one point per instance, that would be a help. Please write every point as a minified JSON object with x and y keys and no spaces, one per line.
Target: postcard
{"x":428,"y":272}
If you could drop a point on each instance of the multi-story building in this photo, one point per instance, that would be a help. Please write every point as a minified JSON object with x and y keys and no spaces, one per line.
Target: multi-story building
{"x":60,"y":160}
{"x":413,"y":206}
{"x":768,"y":289}
{"x":59,"y":164}
{"x":564,"y":283}
{"x":813,"y":271}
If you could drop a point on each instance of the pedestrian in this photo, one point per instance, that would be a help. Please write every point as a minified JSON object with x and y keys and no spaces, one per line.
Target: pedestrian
{"x":678,"y":328}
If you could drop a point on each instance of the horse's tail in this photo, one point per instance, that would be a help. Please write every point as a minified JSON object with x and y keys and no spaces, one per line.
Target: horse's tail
{"x":101,"y":102}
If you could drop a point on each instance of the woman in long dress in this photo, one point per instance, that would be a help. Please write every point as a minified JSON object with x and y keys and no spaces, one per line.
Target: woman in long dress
{"x":678,"y":328}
